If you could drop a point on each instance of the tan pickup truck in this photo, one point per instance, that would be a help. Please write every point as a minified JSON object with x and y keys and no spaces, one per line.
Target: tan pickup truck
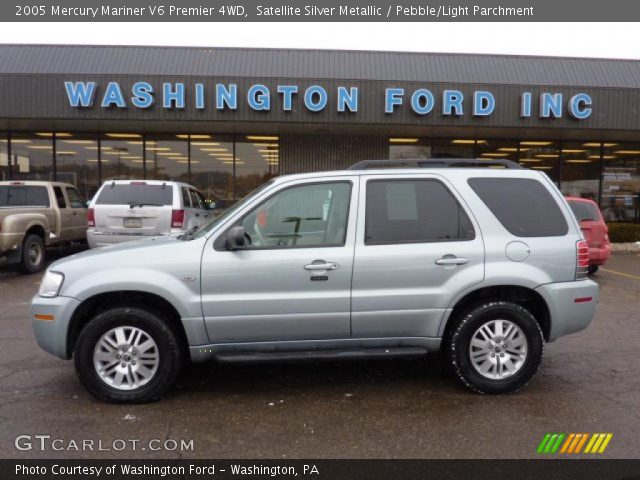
{"x":35,"y":215}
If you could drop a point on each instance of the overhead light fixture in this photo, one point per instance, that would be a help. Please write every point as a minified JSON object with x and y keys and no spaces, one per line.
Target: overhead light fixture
{"x":512,"y":149}
{"x":139,"y":142}
{"x":158,"y":149}
{"x":170,"y":154}
{"x":542,"y":168}
{"x":531,"y":143}
{"x":403,"y":140}
{"x":40,"y":147}
{"x":63,"y":152}
{"x":547,"y":155}
{"x":266,"y":145}
{"x":231,"y":163}
{"x":570,"y":150}
{"x":579,"y":160}
{"x":123,"y":135}
{"x":50,"y":134}
{"x":465,"y":141}
{"x":130,"y":157}
{"x":205,"y":143}
{"x":213,"y":150}
{"x":17,"y":140}
{"x":80,"y":142}
{"x":627,"y":152}
{"x":95,"y":160}
{"x":530,"y":160}
{"x":496,"y":155}
{"x":597,"y":145}
{"x":260,"y":138}
{"x":196,"y":137}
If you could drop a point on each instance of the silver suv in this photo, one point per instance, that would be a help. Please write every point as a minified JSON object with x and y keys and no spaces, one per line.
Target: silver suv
{"x":481,"y":264}
{"x":125,"y":210}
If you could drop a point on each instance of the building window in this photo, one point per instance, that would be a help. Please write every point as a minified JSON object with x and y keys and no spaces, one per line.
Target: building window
{"x":77,"y":161}
{"x":167,"y":157}
{"x":497,"y":149}
{"x":122,"y":156}
{"x":541,"y":155}
{"x":409,"y":148}
{"x":580,"y":169}
{"x":454,"y":148}
{"x":4,"y":157}
{"x":257,"y":160}
{"x":32,"y":156}
{"x":621,"y":182}
{"x":212,"y":166}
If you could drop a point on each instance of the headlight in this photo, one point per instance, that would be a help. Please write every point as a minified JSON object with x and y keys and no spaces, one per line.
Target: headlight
{"x":51,"y":283}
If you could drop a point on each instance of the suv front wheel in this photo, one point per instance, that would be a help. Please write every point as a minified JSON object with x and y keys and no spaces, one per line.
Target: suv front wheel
{"x":496,"y":348}
{"x":128,"y":355}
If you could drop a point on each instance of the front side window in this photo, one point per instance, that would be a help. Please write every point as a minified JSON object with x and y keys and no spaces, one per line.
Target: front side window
{"x":303,"y":216}
{"x":74,"y":198}
{"x":413,"y":211}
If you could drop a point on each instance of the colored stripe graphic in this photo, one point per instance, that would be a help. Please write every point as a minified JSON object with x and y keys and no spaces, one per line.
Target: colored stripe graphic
{"x":572,"y":443}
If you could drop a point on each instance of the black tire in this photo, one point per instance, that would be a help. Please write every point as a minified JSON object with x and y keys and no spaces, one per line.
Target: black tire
{"x":460,"y":340}
{"x":170,"y":350}
{"x":33,"y":253}
{"x":592,"y":269}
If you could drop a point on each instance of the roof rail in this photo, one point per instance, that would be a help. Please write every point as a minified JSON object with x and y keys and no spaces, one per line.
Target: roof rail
{"x":436,"y":163}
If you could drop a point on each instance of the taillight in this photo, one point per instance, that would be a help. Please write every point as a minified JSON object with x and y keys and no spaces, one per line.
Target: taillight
{"x":177,"y":218}
{"x":582,"y":259}
{"x":91,"y":218}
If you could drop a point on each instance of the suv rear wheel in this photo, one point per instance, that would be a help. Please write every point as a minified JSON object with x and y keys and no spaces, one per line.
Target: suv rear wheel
{"x":128,"y":355}
{"x":496,"y":348}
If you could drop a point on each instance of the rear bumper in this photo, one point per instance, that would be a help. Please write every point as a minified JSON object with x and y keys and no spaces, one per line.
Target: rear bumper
{"x":599,"y":255}
{"x":51,"y":335}
{"x":102,"y":239}
{"x":572,"y":305}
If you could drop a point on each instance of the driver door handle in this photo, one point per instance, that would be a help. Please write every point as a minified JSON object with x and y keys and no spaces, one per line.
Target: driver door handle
{"x":452,"y":260}
{"x":321,"y":265}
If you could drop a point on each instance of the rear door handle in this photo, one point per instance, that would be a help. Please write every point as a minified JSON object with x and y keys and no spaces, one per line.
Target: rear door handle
{"x":452,"y":260}
{"x":321,"y":265}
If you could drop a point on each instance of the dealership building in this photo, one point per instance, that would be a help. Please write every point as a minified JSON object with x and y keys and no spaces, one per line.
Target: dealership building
{"x":228,"y":119}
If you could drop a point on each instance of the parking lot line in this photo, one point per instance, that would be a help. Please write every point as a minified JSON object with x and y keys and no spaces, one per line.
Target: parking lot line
{"x":635,"y":277}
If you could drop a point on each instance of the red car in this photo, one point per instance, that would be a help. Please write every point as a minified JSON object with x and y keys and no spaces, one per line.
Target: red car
{"x":594,"y":229}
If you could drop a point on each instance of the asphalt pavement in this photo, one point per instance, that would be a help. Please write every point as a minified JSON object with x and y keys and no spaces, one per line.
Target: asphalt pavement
{"x":588,"y":383}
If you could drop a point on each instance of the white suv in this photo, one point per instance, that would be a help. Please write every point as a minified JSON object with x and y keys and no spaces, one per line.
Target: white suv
{"x":125,"y":210}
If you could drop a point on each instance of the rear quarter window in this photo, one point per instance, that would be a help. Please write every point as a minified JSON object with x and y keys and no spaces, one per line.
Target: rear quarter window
{"x":128,"y":194}
{"x":523,"y":206}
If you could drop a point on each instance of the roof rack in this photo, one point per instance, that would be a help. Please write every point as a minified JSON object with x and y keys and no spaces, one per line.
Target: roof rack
{"x":436,"y":163}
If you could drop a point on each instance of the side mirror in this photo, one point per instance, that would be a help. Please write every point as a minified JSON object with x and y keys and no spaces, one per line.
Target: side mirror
{"x":236,"y":239}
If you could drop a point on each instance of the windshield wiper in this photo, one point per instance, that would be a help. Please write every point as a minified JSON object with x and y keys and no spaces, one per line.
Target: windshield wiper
{"x":144,"y":205}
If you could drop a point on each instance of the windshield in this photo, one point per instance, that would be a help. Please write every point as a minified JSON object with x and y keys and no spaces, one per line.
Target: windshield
{"x":204,"y":229}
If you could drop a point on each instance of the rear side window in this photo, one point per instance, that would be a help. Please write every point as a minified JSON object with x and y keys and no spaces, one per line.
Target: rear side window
{"x":413,"y":211}
{"x":135,"y":194}
{"x":185,"y":197}
{"x":60,"y":200}
{"x":522,"y":205}
{"x":584,"y":211}
{"x":19,"y":196}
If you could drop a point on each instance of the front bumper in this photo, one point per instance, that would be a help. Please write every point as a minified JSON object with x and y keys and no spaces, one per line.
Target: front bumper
{"x":572,"y":305}
{"x":51,"y":335}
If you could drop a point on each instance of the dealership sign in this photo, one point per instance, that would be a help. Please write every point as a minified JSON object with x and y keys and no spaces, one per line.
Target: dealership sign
{"x":316,"y":98}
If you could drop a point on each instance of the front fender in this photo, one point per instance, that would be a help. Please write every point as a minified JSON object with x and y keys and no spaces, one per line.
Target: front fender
{"x":182,"y":293}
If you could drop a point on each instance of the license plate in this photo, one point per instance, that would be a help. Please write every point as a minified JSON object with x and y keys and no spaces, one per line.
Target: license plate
{"x":132,"y":223}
